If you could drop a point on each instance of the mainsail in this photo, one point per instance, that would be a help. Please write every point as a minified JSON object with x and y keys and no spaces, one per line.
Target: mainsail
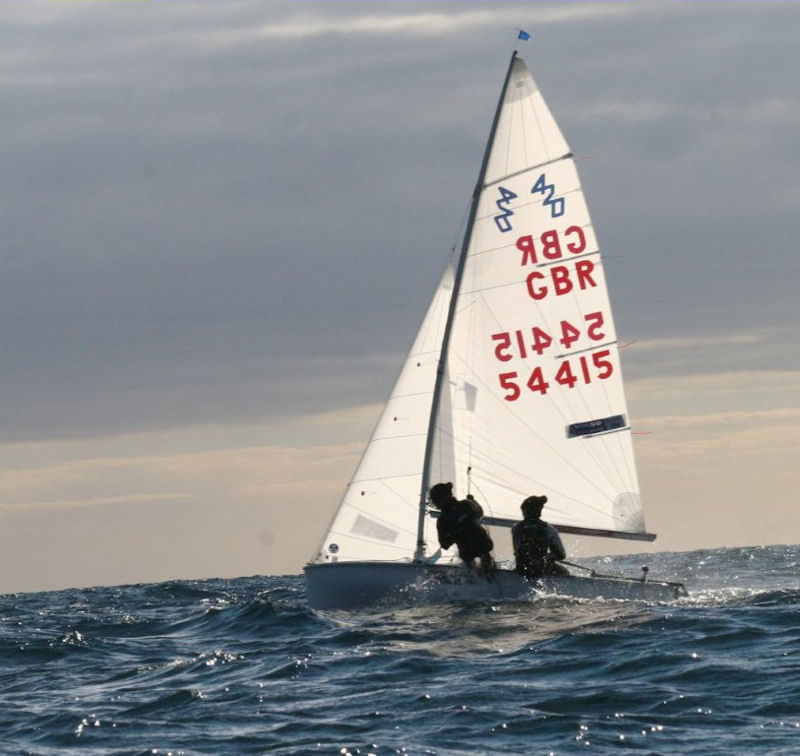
{"x":536,"y":402}
{"x":530,"y":397}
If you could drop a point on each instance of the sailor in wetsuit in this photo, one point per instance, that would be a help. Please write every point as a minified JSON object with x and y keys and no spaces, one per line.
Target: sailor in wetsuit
{"x":459,"y":524}
{"x":537,"y":545}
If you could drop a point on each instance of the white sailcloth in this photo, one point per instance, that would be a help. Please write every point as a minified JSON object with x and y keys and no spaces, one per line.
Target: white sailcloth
{"x":532,"y":401}
{"x":536,"y":396}
{"x":377,"y":518}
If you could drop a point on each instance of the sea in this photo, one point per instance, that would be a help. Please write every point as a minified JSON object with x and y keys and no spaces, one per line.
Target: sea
{"x":244,"y":666}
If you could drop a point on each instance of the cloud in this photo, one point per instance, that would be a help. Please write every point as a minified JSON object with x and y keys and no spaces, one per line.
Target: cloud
{"x":222,"y":223}
{"x":225,"y":512}
{"x":216,"y":473}
{"x":706,"y":395}
{"x":762,"y":351}
{"x":198,"y":221}
{"x":710,"y":451}
{"x":725,"y":478}
{"x":452,"y":21}
{"x":13,"y":507}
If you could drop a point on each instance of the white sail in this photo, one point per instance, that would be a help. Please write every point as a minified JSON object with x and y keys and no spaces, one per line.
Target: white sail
{"x":513,"y":387}
{"x":377,"y":518}
{"x":531,"y":398}
{"x":535,"y":403}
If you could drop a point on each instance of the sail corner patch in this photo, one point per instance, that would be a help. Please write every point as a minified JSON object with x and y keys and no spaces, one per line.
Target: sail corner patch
{"x":601,"y":425}
{"x":363,"y":526}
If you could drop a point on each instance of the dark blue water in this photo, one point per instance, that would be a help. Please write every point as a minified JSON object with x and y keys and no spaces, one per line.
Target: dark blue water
{"x":243,"y":666}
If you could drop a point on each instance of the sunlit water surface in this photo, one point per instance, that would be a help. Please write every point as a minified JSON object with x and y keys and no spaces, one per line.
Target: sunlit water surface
{"x":243,"y":666}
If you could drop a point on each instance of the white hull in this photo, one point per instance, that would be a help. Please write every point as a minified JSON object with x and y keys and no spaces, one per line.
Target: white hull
{"x":358,"y":585}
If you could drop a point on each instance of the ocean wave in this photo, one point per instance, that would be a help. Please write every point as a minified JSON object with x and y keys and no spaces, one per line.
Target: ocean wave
{"x":205,"y":667}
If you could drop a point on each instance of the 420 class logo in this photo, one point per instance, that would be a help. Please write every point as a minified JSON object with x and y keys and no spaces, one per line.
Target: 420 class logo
{"x":556,"y":205}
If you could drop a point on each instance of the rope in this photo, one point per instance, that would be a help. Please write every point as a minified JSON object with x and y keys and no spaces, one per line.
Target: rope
{"x":594,"y":573}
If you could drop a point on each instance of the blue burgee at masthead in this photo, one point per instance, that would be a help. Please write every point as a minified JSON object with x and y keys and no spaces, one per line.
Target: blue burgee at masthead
{"x":523,"y":35}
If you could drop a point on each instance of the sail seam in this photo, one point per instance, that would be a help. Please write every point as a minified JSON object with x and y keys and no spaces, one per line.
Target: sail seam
{"x":373,"y":480}
{"x":405,"y":396}
{"x":500,"y":464}
{"x":578,"y":472}
{"x":521,"y":171}
{"x":584,"y":351}
{"x":536,"y":203}
{"x":397,"y":437}
{"x":620,"y":474}
{"x":561,"y":261}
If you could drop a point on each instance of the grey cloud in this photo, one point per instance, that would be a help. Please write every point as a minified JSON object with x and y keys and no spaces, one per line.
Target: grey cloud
{"x":205,"y":219}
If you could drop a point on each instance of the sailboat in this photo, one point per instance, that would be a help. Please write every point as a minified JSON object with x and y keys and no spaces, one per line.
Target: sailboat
{"x":512,"y":387}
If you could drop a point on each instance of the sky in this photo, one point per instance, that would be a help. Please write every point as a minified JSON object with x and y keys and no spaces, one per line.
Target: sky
{"x":222,"y":223}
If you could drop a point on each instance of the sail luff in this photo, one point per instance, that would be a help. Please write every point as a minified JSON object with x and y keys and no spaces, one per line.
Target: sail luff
{"x":441,"y":369}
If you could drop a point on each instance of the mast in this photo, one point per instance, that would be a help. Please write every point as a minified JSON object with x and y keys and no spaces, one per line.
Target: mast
{"x":419,"y":554}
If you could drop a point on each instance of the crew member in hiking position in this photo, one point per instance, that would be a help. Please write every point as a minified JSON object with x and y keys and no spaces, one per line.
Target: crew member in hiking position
{"x":537,"y":545}
{"x":459,"y":524}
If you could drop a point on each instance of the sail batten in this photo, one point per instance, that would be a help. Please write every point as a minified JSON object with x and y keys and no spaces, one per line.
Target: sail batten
{"x":526,"y":169}
{"x":565,"y":355}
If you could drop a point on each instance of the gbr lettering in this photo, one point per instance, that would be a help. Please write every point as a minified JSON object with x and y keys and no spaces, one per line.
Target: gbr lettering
{"x":562,"y":280}
{"x":550,"y":247}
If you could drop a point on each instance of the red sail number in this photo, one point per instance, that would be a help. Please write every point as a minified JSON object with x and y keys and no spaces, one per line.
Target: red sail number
{"x":582,"y":370}
{"x":511,"y":344}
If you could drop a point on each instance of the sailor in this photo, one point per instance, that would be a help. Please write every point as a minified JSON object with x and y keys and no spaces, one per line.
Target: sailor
{"x":537,"y":545}
{"x":459,"y":524}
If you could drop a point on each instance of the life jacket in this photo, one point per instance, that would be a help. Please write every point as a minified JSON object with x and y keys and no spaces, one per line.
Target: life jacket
{"x":459,"y":524}
{"x":531,"y":547}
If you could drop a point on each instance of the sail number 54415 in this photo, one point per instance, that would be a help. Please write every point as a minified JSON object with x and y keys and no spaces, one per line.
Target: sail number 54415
{"x":585,"y":369}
